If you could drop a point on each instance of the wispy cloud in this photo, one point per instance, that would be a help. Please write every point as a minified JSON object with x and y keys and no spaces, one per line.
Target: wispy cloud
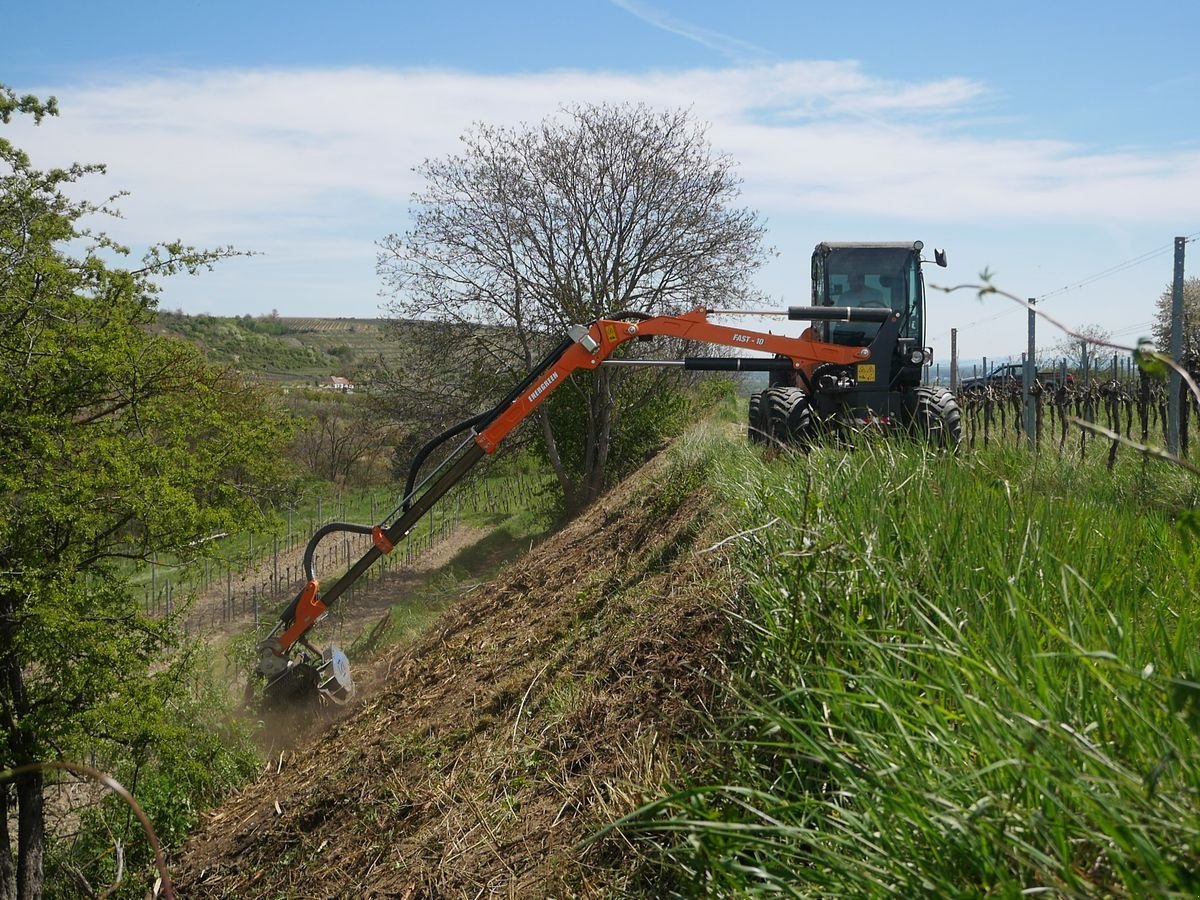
{"x":731,"y":48}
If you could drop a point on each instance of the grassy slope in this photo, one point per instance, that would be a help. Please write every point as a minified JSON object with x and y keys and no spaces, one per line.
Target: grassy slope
{"x":962,"y":676}
{"x":958,"y":676}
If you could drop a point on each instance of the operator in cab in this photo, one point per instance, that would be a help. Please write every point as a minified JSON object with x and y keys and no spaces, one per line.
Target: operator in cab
{"x":861,"y":295}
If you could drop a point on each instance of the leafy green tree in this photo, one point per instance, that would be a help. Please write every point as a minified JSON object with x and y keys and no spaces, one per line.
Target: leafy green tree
{"x":607,"y":209}
{"x":115,"y":444}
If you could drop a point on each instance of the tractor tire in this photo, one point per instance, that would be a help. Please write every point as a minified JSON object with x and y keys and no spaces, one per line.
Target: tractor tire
{"x":756,"y":430}
{"x":935,"y":417}
{"x":790,"y":416}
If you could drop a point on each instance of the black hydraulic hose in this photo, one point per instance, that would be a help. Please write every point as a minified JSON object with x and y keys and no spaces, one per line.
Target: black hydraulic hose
{"x":321,"y":533}
{"x":485,"y":417}
{"x":432,"y":444}
{"x":419,"y":460}
{"x":479,"y":419}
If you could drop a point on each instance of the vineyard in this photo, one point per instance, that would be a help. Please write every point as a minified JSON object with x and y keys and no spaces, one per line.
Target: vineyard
{"x":260,"y":575}
{"x":293,"y":325}
{"x":1117,"y":397}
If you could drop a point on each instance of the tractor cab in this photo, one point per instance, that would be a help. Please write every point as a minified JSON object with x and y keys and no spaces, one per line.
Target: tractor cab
{"x":884,"y":275}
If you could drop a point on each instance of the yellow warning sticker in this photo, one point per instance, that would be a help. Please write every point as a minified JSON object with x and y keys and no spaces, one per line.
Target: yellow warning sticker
{"x":866,"y":372}
{"x":611,"y":331}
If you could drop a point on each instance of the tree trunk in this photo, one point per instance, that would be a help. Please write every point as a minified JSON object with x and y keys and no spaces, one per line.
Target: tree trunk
{"x":30,"y":837}
{"x":602,"y":420}
{"x":8,"y":870}
{"x":24,"y":881}
{"x":565,"y":482}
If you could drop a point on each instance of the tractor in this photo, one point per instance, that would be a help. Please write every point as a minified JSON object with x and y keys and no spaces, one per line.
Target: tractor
{"x":868,"y":295}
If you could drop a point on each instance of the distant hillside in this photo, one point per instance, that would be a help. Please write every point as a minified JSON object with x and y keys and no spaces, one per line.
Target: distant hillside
{"x":281,"y":348}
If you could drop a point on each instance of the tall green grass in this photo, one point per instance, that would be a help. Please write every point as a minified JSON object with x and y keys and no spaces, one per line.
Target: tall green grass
{"x":961,"y":676}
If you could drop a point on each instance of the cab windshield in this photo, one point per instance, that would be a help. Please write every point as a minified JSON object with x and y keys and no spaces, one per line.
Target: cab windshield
{"x":872,"y":277}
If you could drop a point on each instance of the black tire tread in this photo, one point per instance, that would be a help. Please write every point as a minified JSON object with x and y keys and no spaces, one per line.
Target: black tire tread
{"x":790,"y":416}
{"x":756,"y":429}
{"x":937,"y":418}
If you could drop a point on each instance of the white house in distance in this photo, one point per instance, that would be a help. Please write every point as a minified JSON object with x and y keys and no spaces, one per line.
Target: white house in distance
{"x":338,"y":383}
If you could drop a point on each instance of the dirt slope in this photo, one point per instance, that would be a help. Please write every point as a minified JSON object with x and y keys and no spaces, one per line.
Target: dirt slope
{"x":545,"y":704}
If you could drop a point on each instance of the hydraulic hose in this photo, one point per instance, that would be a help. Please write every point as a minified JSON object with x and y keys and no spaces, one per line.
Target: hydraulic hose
{"x":321,"y":533}
{"x":480,"y":419}
{"x":486,"y":417}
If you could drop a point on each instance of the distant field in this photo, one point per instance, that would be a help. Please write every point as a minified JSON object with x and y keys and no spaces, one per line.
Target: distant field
{"x":287,"y":349}
{"x":352,"y":326}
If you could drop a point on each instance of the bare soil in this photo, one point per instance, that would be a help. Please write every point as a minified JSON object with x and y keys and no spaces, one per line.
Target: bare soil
{"x":543,"y":705}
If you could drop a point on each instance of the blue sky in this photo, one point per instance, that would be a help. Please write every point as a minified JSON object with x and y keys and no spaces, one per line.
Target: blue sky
{"x":1046,"y":142}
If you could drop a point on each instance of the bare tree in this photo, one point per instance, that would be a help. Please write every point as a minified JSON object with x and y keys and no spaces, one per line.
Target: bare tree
{"x":1070,"y":346}
{"x":606,"y":208}
{"x":337,"y":436}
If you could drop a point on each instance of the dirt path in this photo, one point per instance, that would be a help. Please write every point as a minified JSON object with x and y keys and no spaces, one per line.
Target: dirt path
{"x":211,"y":618}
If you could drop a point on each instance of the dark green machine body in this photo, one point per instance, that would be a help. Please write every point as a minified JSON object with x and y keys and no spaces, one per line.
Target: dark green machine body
{"x":888,"y":389}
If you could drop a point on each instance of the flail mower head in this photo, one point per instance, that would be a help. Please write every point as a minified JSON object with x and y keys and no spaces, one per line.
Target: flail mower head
{"x":305,"y":675}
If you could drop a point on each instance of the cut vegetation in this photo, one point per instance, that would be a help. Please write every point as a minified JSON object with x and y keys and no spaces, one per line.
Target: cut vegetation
{"x":544,"y":705}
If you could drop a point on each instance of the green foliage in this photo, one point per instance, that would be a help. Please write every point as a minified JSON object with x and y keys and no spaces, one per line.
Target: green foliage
{"x":253,"y":345}
{"x":28,"y":104}
{"x":186,"y":755}
{"x":643,"y":418}
{"x":962,"y":676}
{"x":115,"y":444}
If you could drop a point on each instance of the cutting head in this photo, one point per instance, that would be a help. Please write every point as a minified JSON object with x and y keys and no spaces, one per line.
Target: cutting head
{"x":334,"y":680}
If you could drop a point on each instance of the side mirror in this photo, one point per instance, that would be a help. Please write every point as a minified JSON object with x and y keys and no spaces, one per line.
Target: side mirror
{"x":939,"y":257}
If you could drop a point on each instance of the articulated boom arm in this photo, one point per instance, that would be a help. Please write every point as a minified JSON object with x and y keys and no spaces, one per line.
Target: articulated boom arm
{"x":587,"y":348}
{"x":600,"y":341}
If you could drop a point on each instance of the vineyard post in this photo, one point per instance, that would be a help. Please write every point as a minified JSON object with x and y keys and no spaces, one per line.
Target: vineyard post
{"x":1027,"y":381}
{"x":953,"y":362}
{"x":1087,"y":400}
{"x":1174,"y":384}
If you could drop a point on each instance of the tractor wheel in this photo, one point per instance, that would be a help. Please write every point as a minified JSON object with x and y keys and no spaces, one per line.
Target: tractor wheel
{"x":790,"y":416}
{"x":757,"y":428}
{"x":936,"y":417}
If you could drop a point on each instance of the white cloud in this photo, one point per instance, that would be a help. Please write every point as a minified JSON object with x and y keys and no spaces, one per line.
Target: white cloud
{"x":316,"y":164}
